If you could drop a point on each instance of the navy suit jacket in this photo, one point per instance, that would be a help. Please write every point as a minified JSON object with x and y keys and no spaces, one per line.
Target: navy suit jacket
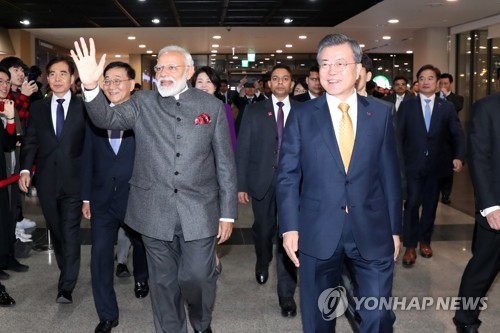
{"x":421,"y":149}
{"x":310,"y":160}
{"x":105,"y":175}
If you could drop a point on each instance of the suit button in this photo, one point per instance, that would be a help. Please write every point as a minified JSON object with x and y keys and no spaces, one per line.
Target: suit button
{"x":178,"y":136}
{"x":176,"y":173}
{"x":342,"y":208}
{"x":175,"y":191}
{"x":347,"y":183}
{"x":178,"y":104}
{"x":178,"y":119}
{"x":178,"y":154}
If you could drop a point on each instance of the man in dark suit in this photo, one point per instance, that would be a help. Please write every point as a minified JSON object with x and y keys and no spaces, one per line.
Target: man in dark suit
{"x":399,"y":85}
{"x":484,"y":162}
{"x":247,"y":96}
{"x":424,"y":124}
{"x":108,"y":160}
{"x":56,"y":136}
{"x":314,"y":88}
{"x":183,"y":194}
{"x":257,"y":152}
{"x":446,"y":182}
{"x":225,"y":94}
{"x":340,"y":206}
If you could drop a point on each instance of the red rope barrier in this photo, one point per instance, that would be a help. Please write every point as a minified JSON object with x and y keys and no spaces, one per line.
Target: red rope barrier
{"x":8,"y":181}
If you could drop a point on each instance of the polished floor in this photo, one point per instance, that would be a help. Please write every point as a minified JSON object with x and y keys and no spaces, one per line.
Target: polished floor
{"x":242,"y":305}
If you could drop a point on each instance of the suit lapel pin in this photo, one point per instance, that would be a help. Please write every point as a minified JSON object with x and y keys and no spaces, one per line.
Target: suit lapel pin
{"x":269,"y":113}
{"x":368,"y":113}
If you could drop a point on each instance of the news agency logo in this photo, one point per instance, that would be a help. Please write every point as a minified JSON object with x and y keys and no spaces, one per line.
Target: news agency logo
{"x":332,"y":303}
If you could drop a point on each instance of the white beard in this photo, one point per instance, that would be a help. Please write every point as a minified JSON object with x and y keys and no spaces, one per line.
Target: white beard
{"x":172,"y":90}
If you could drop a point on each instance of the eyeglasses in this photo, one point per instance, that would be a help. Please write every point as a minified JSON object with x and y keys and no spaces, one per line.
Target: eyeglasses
{"x":338,"y":65}
{"x":6,"y":83}
{"x":115,"y":82}
{"x":169,"y":68}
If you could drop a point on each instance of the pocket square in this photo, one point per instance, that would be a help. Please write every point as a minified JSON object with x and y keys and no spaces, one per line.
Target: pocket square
{"x":202,"y":119}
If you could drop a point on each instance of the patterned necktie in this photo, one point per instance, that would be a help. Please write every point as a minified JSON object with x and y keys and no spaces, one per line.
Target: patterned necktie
{"x":427,"y":114}
{"x":280,"y":123}
{"x":346,"y":135}
{"x":59,"y":117}
{"x":114,"y":140}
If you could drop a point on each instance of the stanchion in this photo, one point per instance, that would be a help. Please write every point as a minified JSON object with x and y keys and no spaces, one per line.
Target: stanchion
{"x":46,"y":247}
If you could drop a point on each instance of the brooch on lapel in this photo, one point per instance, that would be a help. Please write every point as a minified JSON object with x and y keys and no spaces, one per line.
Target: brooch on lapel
{"x":368,"y":113}
{"x":202,"y":119}
{"x":269,"y":113}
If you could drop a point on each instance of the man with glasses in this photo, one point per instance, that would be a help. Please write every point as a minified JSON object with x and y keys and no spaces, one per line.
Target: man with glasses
{"x":183,"y":195}
{"x":108,"y":159}
{"x":339,"y":193}
{"x":55,"y":138}
{"x":399,"y":85}
{"x":313,"y":85}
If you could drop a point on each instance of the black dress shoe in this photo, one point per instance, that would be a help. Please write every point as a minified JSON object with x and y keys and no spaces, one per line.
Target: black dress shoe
{"x":261,"y":274}
{"x":122,"y":271}
{"x":105,"y":326}
{"x":288,"y":307}
{"x":4,"y":275}
{"x":141,"y":289}
{"x":467,"y":328}
{"x":16,"y":266}
{"x":5,"y":299}
{"x":208,"y":330}
{"x":64,"y":297}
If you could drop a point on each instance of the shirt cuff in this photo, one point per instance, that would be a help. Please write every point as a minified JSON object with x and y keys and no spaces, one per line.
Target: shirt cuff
{"x":89,"y":95}
{"x":223,"y":219}
{"x":488,"y":210}
{"x":86,"y":201}
{"x":24,"y":171}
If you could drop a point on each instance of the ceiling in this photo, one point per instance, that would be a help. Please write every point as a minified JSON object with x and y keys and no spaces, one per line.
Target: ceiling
{"x":244,"y":25}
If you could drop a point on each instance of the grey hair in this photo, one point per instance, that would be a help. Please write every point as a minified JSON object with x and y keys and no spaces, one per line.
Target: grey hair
{"x":175,"y":48}
{"x":339,"y":39}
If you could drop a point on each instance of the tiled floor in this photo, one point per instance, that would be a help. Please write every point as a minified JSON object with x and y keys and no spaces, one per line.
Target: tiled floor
{"x":242,"y":305}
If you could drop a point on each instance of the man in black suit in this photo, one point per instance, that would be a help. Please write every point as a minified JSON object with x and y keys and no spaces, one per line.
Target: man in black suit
{"x":484,"y":162}
{"x":257,"y":159}
{"x":399,"y":85}
{"x":423,"y":127}
{"x":247,"y":96}
{"x":446,"y":183}
{"x":57,"y":133}
{"x":313,"y":85}
{"x":225,"y":94}
{"x":108,"y":160}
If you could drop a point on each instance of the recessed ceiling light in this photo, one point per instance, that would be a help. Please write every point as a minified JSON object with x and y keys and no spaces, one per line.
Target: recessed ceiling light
{"x":386,"y":37}
{"x":118,"y":56}
{"x":261,"y":62}
{"x":149,"y":51}
{"x":154,"y":55}
{"x":25,"y":22}
{"x":289,"y":57}
{"x":231,"y":62}
{"x":213,"y":55}
{"x":214,"y":51}
{"x":215,"y":45}
{"x":142,"y":46}
{"x":393,"y":21}
{"x":216,"y":37}
{"x":288,"y":45}
{"x":155,"y":20}
{"x":235,"y":57}
{"x":495,"y":47}
{"x":362,"y":45}
{"x":288,"y":20}
{"x":131,"y":37}
{"x":272,"y":54}
{"x":409,"y":51}
{"x":266,"y":59}
{"x":278,"y":62}
{"x":302,"y":37}
{"x":279,"y":51}
{"x":302,"y":65}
